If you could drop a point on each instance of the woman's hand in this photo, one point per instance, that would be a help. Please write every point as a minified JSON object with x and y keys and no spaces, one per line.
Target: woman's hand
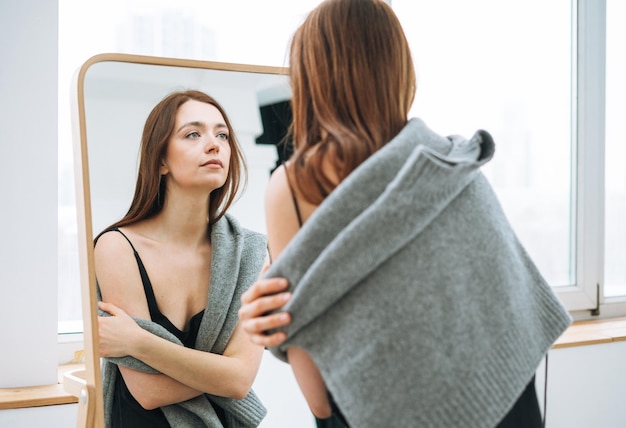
{"x":264,"y":296}
{"x":116,"y":333}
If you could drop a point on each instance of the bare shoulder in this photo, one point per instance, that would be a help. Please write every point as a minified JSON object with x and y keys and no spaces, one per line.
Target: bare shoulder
{"x":280,"y":212}
{"x":279,"y":203}
{"x":112,"y":246}
{"x":278,"y":187}
{"x":118,"y":274}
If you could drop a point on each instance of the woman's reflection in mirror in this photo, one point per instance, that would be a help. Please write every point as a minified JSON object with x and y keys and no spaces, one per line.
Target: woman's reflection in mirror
{"x":170,"y":275}
{"x":398,"y":292}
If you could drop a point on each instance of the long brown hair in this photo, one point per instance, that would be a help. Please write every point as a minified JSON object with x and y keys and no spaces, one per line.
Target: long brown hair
{"x":353,"y":83}
{"x":150,"y":190}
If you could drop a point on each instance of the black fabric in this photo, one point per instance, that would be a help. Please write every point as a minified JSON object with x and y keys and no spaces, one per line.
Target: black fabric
{"x":293,"y":196}
{"x":525,"y":412}
{"x":336,"y":420}
{"x":333,"y":422}
{"x":127,"y":412}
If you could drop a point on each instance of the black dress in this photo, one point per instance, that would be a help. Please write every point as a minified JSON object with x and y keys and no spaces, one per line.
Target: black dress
{"x":525,"y":412}
{"x":126,"y":411}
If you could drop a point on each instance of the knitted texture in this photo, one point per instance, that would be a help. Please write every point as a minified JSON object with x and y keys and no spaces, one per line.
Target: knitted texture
{"x":412,"y":293}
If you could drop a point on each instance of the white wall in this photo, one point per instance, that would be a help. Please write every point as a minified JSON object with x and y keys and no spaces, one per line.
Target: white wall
{"x":63,"y":416}
{"x":28,"y":195}
{"x":587,"y":386}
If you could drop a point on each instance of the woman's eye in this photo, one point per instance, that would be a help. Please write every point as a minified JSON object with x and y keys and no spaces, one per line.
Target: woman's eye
{"x":193,"y":135}
{"x":223,"y":136}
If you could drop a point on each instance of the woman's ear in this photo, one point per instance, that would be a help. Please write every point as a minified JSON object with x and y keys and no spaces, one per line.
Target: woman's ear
{"x":163,"y":170}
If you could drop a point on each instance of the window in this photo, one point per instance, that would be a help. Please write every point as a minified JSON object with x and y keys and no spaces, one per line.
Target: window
{"x":478,"y":71}
{"x":615,"y":172}
{"x":531,"y":73}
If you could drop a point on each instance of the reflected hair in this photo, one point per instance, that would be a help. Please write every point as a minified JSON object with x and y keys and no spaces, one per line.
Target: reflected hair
{"x":353,"y":83}
{"x":150,"y":190}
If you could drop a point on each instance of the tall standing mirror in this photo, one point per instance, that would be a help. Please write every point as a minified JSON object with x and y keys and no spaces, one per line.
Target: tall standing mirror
{"x":112,"y":96}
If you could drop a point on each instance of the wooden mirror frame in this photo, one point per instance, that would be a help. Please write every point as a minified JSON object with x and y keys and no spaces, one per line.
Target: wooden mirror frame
{"x":87,"y":384}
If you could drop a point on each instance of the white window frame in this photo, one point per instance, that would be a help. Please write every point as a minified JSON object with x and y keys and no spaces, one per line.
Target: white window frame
{"x":586,"y":298}
{"x":588,"y":159}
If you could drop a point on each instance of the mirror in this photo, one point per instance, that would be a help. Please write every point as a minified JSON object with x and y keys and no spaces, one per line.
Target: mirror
{"x":112,"y":96}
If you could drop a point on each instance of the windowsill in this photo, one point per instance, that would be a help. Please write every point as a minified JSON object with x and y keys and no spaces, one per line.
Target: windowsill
{"x":580,"y":333}
{"x":585,"y":333}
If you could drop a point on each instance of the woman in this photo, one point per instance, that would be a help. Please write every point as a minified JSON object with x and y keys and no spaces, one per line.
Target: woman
{"x":412,"y":303}
{"x":171,"y":273}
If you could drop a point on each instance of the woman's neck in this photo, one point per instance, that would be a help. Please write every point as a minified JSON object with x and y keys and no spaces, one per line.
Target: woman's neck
{"x":182,"y":221}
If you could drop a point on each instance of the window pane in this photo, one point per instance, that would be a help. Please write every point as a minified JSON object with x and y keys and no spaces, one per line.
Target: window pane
{"x":615,"y":137}
{"x":506,"y":67}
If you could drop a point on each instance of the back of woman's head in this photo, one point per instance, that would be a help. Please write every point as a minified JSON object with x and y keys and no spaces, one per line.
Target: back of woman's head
{"x":353,"y":84}
{"x":150,"y":190}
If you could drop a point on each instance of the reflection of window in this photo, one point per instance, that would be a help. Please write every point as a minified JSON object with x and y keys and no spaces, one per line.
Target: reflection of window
{"x":615,"y":173}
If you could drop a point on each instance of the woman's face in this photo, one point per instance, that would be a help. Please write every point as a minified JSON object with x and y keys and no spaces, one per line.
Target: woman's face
{"x":198,"y":152}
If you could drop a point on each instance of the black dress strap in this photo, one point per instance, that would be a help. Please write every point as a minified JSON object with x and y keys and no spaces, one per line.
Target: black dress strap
{"x":293,"y":197}
{"x":155,"y":314}
{"x":117,"y":229}
{"x":126,"y":411}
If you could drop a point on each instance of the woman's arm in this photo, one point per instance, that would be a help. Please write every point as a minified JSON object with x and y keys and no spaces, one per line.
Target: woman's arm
{"x":193,"y":371}
{"x":282,"y":225}
{"x":186,"y":372}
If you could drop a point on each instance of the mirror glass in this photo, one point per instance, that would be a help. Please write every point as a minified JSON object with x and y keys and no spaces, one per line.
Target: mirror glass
{"x":114,"y":94}
{"x":118,"y":97}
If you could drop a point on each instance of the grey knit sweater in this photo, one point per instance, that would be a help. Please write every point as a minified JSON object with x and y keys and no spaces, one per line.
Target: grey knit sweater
{"x":237,"y":257}
{"x":412,"y":292}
